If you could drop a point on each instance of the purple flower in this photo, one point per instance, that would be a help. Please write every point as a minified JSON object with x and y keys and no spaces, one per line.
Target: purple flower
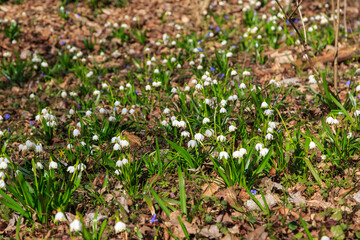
{"x":253,"y":191}
{"x":226,"y":17}
{"x":8,"y":129}
{"x":79,"y":106}
{"x":211,"y":27}
{"x":42,"y":74}
{"x":287,"y":22}
{"x":296,"y":20}
{"x":7,"y":116}
{"x":348,"y":83}
{"x":218,"y":29}
{"x":115,"y":108}
{"x":62,"y":42}
{"x":212,"y":69}
{"x":200,"y":49}
{"x":31,"y":123}
{"x":153,"y":219}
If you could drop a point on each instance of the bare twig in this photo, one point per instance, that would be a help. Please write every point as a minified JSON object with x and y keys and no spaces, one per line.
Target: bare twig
{"x":336,"y":45}
{"x":345,"y":25}
{"x":302,"y":22}
{"x":300,"y":37}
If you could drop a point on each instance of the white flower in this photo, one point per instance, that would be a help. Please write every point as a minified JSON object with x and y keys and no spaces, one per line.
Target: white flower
{"x":71,"y":169}
{"x":325,"y":238}
{"x":264,"y":152}
{"x":39,"y":165}
{"x":147,"y":88}
{"x":192,"y":144}
{"x":198,"y":86}
{"x":349,"y":135}
{"x":88,"y":113}
{"x":44,"y":64}
{"x":124,"y":111}
{"x":53,"y":165}
{"x":223,"y":155}
{"x":124,"y":143}
{"x":206,"y":120}
{"x":119,"y":227}
{"x":209,"y":132}
{"x":272,"y":124}
{"x":259,"y":146}
{"x":76,"y":225}
{"x":112,"y":119}
{"x":269,"y":112}
{"x":96,"y":92}
{"x":358,"y":87}
{"x":63,"y":94}
{"x":232,"y":128}
{"x":69,"y":146}
{"x":246,"y":73}
{"x":199,"y":137}
{"x":269,"y":136}
{"x":117,"y":172}
{"x":32,"y":95}
{"x":312,"y":79}
{"x":38,"y":148}
{"x":242,"y":86}
{"x":60,"y":217}
{"x":76,"y":132}
{"x":357,"y":113}
{"x":116,"y":147}
{"x":101,"y":110}
{"x":2,"y":184}
{"x":221,"y":138}
{"x":264,"y":105}
{"x":185,"y":134}
{"x":2,"y":175}
{"x":81,"y":167}
{"x":233,"y":73}
{"x":229,"y":54}
{"x":95,"y":137}
{"x":312,"y":145}
{"x":166,"y":111}
{"x":164,"y":123}
{"x":3,"y":165}
{"x":223,"y":102}
{"x":182,"y":124}
{"x":223,"y":110}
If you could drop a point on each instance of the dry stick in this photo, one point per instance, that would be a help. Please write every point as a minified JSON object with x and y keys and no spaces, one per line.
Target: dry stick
{"x":297,"y":7}
{"x":345,"y":25}
{"x":302,"y":21}
{"x":336,"y":45}
{"x":300,"y":37}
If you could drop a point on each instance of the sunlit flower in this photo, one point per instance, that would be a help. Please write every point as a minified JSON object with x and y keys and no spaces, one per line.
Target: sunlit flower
{"x":259,"y":146}
{"x":76,"y":132}
{"x":185,"y":134}
{"x":53,"y":165}
{"x":119,"y":227}
{"x":2,"y":184}
{"x":192,"y":144}
{"x":71,"y":169}
{"x":206,"y":120}
{"x":312,"y":145}
{"x":75,"y":226}
{"x":232,"y":128}
{"x":223,"y":110}
{"x":39,"y":165}
{"x":95,"y":138}
{"x":268,"y":112}
{"x":269,"y":136}
{"x":264,"y":152}
{"x":223,"y":155}
{"x":264,"y":105}
{"x":199,"y":137}
{"x":221,"y":138}
{"x":59,"y":217}
{"x":209,"y":132}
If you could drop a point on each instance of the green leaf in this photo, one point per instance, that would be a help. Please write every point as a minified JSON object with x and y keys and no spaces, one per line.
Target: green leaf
{"x":337,"y":232}
{"x":160,"y":202}
{"x":182,"y":191}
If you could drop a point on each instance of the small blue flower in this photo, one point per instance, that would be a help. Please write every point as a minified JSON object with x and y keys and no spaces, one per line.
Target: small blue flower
{"x":99,"y":76}
{"x":150,"y":80}
{"x":211,"y":27}
{"x":136,"y":91}
{"x":287,"y":22}
{"x":218,"y":29}
{"x":348,"y":83}
{"x":200,"y":49}
{"x":253,"y":191}
{"x":226,"y":17}
{"x":7,"y":116}
{"x":90,"y":109}
{"x":31,"y":123}
{"x":153,"y":219}
{"x":222,"y":75}
{"x":42,"y":74}
{"x":212,"y":69}
{"x":115,"y":108}
{"x":62,"y":42}
{"x":8,"y":129}
{"x":296,"y":20}
{"x":349,"y":29}
{"x":79,"y":106}
{"x":291,"y":33}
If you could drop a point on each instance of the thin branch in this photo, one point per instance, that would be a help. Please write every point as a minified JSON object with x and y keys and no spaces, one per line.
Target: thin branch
{"x":336,"y":45}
